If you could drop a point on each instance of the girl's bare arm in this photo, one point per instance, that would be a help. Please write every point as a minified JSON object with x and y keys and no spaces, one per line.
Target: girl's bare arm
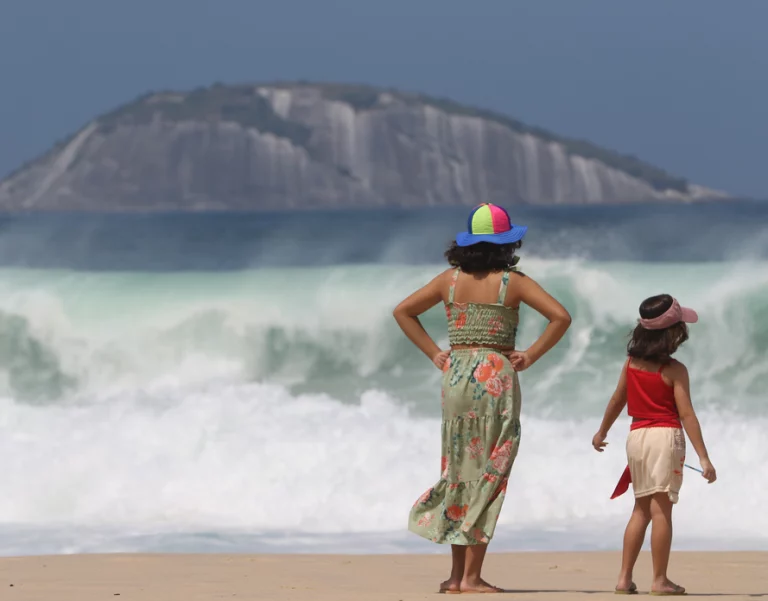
{"x":612,"y":411}
{"x":678,"y":373}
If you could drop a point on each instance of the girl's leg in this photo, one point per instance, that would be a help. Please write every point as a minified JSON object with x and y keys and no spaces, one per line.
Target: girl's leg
{"x":458,"y":555}
{"x":471,"y":581}
{"x":661,"y":544}
{"x":634,"y":536}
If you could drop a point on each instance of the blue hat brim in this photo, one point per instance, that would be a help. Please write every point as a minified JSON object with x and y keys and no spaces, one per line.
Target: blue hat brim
{"x":513,"y":235}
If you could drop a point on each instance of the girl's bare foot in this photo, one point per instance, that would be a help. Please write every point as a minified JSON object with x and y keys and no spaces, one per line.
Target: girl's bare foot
{"x":666,"y":588}
{"x":479,"y":586}
{"x":451,"y":586}
{"x":622,"y":588}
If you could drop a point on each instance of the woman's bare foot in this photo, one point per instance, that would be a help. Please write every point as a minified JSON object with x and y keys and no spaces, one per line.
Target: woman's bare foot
{"x":451,"y":586}
{"x":479,"y":586}
{"x":666,"y":588}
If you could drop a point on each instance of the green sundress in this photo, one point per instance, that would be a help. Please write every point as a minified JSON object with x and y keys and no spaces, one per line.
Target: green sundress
{"x":480,"y":426}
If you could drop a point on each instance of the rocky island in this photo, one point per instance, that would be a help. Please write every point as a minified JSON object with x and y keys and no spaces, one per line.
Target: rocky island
{"x":319,"y":146}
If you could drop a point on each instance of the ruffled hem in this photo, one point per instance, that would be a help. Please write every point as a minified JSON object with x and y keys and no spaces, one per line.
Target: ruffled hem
{"x":458,"y":513}
{"x":466,"y":512}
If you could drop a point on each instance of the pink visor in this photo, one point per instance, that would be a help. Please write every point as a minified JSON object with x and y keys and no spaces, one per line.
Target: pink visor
{"x":675,"y":314}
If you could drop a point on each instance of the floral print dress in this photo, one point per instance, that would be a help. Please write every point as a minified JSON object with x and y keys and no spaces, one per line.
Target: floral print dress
{"x":480,"y":426}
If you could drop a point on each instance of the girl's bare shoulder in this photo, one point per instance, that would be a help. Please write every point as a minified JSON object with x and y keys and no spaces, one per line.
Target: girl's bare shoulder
{"x":675,"y":371}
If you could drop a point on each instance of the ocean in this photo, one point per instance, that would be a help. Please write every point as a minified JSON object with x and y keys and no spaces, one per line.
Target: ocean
{"x":230,"y":383}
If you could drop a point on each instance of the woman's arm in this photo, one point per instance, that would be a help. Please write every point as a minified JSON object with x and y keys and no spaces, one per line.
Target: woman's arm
{"x":533,"y":295}
{"x":407,"y":315}
{"x":612,"y":411}
{"x":681,"y":383}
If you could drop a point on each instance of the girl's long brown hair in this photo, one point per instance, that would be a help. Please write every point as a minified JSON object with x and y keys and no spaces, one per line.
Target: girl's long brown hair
{"x":656,"y":346}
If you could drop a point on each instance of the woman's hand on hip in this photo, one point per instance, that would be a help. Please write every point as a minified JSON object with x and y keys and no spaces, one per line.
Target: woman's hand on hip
{"x":440,"y":358}
{"x":520,"y":360}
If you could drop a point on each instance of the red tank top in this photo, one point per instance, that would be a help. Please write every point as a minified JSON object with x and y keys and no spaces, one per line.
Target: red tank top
{"x":650,"y":400}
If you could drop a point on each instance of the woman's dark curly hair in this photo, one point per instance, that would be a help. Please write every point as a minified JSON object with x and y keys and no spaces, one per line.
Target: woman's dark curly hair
{"x":483,"y":257}
{"x":656,"y":346}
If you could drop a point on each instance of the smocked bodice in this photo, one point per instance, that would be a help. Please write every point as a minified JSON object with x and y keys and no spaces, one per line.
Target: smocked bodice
{"x":481,"y":323}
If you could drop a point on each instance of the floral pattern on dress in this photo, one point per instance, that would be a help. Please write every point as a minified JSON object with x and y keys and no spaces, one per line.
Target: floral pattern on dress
{"x":481,"y":436}
{"x":495,"y":324}
{"x":480,"y":428}
{"x":470,"y":323}
{"x":475,"y":447}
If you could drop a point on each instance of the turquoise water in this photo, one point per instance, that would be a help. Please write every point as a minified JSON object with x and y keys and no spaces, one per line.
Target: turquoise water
{"x":279,"y":408}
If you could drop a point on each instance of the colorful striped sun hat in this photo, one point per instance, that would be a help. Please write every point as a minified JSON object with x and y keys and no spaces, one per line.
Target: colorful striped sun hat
{"x":490,"y":223}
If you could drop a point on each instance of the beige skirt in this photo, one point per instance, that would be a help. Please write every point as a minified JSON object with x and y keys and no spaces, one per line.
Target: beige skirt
{"x":656,"y":457}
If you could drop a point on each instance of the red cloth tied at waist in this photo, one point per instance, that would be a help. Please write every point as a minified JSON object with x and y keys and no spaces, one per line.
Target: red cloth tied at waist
{"x":626,"y":477}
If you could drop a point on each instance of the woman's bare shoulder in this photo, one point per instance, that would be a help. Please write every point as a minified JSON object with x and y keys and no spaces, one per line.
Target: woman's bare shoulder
{"x":443,"y":279}
{"x":518,"y":282}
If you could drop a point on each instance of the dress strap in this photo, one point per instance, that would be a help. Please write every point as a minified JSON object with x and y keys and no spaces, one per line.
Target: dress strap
{"x":452,"y":288}
{"x":503,"y":287}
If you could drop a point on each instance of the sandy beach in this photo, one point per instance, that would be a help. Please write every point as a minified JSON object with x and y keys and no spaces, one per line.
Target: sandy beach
{"x":355,"y":577}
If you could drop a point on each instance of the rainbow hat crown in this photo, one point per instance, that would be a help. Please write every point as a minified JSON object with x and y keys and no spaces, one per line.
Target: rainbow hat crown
{"x":490,"y":223}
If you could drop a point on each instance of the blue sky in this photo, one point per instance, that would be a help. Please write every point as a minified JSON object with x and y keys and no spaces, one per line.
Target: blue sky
{"x":682,"y":84}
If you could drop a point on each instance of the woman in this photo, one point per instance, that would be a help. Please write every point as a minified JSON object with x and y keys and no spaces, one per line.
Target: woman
{"x":481,"y":394}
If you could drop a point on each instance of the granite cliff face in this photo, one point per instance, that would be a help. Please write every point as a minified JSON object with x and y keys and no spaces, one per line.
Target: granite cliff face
{"x":301,"y":146}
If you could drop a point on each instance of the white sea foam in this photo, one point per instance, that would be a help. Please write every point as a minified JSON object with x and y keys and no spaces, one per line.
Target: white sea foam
{"x":252,"y":458}
{"x":272,"y":409}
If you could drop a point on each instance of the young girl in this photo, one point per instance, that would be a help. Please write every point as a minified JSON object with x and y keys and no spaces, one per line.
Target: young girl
{"x":482,"y":293}
{"x":656,"y":391}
